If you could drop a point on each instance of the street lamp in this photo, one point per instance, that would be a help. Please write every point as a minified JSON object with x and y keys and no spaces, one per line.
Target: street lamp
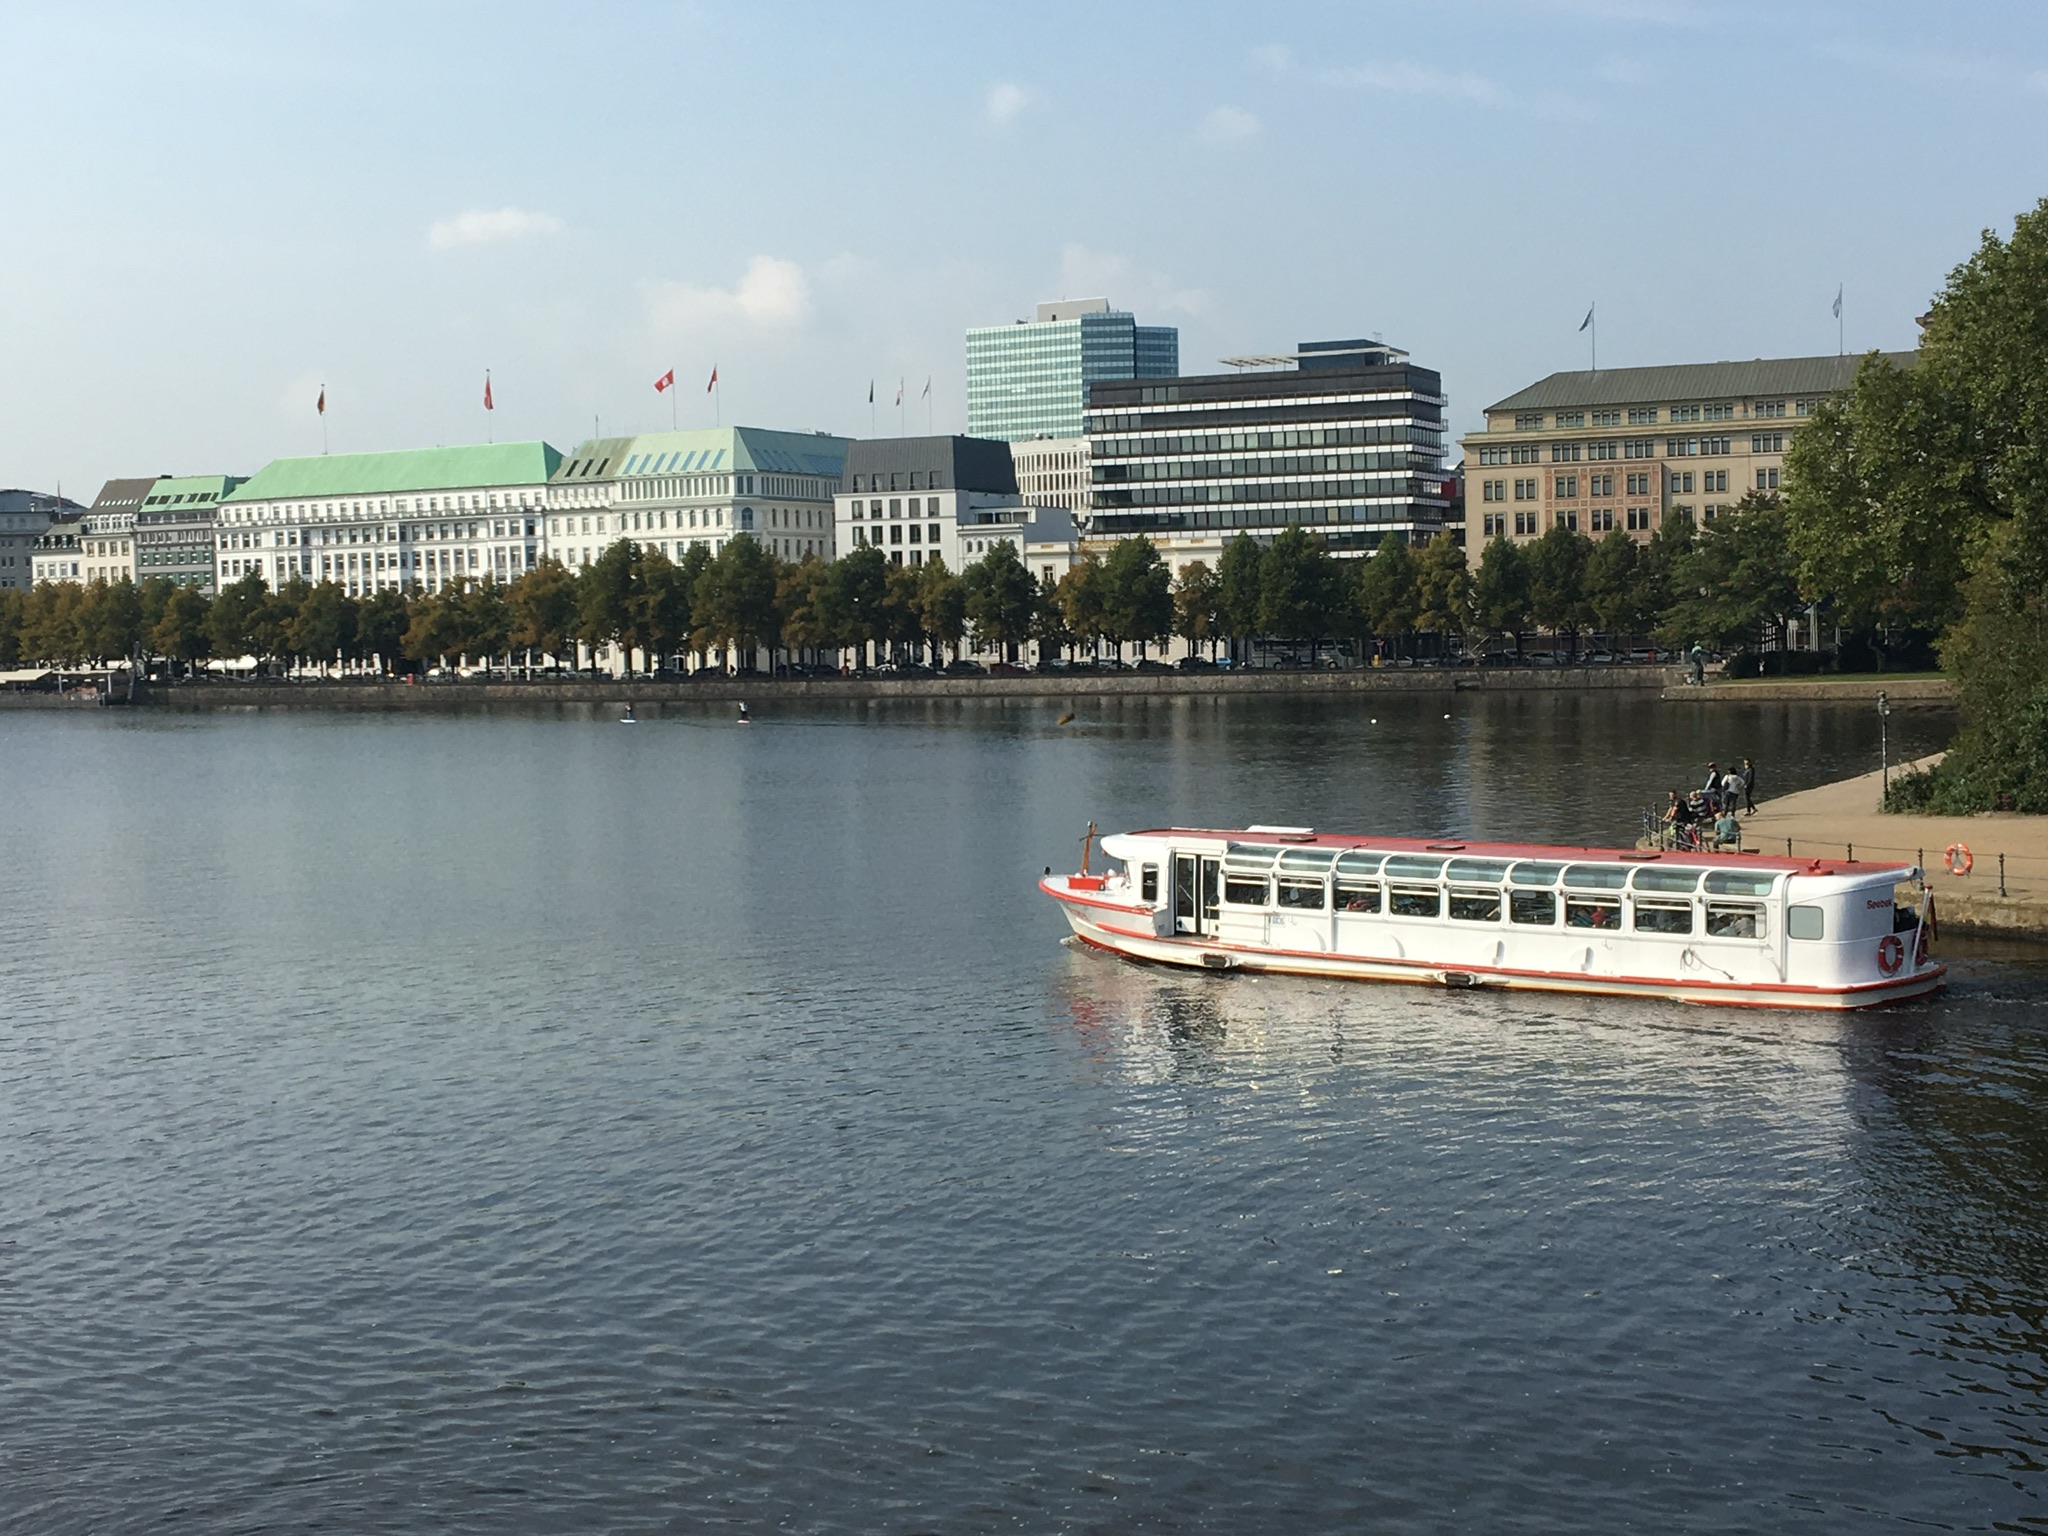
{"x":1884,"y":768}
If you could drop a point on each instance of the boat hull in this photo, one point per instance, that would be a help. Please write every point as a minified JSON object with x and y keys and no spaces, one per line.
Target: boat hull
{"x":1127,"y":930}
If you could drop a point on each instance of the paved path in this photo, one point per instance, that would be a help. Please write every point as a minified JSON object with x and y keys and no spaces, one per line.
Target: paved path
{"x":1834,"y":818}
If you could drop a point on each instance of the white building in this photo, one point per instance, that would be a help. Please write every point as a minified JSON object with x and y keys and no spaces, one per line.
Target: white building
{"x":669,"y":490}
{"x":388,"y":521}
{"x":1053,"y":472}
{"x":953,"y":497}
{"x":25,"y":516}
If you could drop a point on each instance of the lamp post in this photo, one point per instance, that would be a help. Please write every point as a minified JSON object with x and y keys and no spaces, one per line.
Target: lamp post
{"x":1884,"y":767}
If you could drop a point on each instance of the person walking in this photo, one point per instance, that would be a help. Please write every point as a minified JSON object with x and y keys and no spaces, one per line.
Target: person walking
{"x":1749,"y":786}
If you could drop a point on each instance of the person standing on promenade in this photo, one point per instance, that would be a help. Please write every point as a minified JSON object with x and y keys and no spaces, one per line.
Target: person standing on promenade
{"x":1749,"y":786}
{"x":1712,"y":788}
{"x":1731,"y":791}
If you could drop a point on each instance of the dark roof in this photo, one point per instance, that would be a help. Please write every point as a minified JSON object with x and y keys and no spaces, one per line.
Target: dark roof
{"x":1267,"y":384}
{"x":1760,"y":377}
{"x":38,"y":501}
{"x":947,"y":463}
{"x":123,"y":495}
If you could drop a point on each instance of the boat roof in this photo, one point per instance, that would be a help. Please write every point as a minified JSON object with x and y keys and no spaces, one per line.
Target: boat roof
{"x":1303,"y":837}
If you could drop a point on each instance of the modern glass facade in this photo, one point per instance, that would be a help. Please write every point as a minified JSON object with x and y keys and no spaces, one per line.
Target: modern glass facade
{"x":1352,"y":452}
{"x":1031,"y":379}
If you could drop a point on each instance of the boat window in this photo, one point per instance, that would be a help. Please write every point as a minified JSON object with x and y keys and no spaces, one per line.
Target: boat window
{"x":1739,"y":882}
{"x":1734,"y":920}
{"x":1241,"y":856}
{"x":1806,"y":922}
{"x":1357,"y":896}
{"x":1534,"y":874}
{"x":1537,"y":907}
{"x":1241,"y":892}
{"x":1591,"y":912}
{"x":1663,"y":917}
{"x":1308,"y":860}
{"x":1358,"y":861}
{"x":1667,"y":879}
{"x":1475,"y":906}
{"x":1148,"y":882}
{"x":1415,"y":900}
{"x":1302,"y":895}
{"x":1479,"y":871}
{"x":1596,"y":877}
{"x":1408,"y":866}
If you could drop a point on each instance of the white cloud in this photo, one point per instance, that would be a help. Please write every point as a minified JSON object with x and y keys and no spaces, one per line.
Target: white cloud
{"x":489,"y":226}
{"x":1005,"y":102}
{"x":1227,"y":124}
{"x":1402,"y":78}
{"x":771,"y":292}
{"x":1086,"y":274}
{"x":1274,"y":57}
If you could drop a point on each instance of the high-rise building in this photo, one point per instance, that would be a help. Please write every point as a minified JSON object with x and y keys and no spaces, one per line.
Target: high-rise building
{"x":1343,"y":438}
{"x":1031,"y":379}
{"x":1628,"y":447}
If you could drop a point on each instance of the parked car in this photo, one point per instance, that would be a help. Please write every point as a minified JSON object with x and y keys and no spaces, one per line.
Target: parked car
{"x":1195,"y":664}
{"x":1006,"y":669}
{"x":964,"y":668}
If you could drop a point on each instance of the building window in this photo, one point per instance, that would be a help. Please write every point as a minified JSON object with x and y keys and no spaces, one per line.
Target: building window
{"x":1600,"y":485}
{"x":1525,"y":490}
{"x":1681,"y":482}
{"x":1771,"y":408}
{"x":1525,"y":522}
{"x":1639,"y":519}
{"x":1571,"y":418}
{"x":1642,"y":415}
{"x":1495,"y":524}
{"x":1565,"y":453}
{"x":1568,"y":519}
{"x":1601,"y":520}
{"x":1611,"y":417}
{"x":1767,"y":442}
{"x":932,"y":534}
{"x":1532,"y":422}
{"x":1567,"y":486}
{"x":1685,"y":413}
{"x":1714,"y":480}
{"x":1722,"y":411}
{"x":1767,"y":479}
{"x":1639,"y":485}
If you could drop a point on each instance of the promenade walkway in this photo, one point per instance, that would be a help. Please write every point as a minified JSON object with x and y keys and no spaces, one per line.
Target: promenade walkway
{"x":1834,"y":819}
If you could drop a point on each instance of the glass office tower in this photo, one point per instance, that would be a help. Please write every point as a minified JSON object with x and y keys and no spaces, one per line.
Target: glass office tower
{"x":1031,"y":379}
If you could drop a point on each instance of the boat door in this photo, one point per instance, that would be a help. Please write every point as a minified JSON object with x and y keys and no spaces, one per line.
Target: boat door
{"x":1197,"y":891}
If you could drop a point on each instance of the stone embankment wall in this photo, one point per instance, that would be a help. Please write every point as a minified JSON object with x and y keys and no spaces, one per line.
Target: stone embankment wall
{"x":726,"y":690}
{"x":1820,"y":690}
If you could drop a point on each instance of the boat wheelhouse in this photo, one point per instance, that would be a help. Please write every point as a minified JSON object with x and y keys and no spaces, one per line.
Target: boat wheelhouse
{"x":1728,"y":928}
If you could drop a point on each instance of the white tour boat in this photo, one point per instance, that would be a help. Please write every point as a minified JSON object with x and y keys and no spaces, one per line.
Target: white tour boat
{"x":1737,"y":928}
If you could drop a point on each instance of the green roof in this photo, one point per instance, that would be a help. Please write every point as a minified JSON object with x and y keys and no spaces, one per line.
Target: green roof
{"x":1760,"y":378}
{"x":708,"y":450}
{"x":190,"y":490}
{"x":413,"y":469}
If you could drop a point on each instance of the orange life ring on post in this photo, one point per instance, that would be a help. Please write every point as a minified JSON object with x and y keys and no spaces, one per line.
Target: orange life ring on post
{"x":1957,"y":859}
{"x":1891,"y":954}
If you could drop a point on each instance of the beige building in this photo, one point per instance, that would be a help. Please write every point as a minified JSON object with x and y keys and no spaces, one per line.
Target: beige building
{"x":1628,"y":447}
{"x":1052,"y":472}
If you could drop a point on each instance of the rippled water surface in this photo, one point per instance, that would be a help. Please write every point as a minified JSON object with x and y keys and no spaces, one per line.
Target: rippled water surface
{"x":516,"y":1122}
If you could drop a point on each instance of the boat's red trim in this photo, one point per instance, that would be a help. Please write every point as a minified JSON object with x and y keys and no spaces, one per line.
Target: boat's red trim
{"x":1089,"y":901}
{"x":1544,"y":851}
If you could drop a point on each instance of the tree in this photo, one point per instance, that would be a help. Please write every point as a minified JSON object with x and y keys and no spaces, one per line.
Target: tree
{"x":1500,"y":590}
{"x":660,"y":608}
{"x":999,"y":598}
{"x":1300,"y":587}
{"x":1738,"y":578}
{"x":1615,"y":585}
{"x":486,"y":620}
{"x":1137,"y":594}
{"x":942,"y":602}
{"x":1049,"y":618}
{"x":1557,"y":582}
{"x":11,"y":602}
{"x":1197,"y":600}
{"x":804,"y":594}
{"x":543,"y":603}
{"x":1084,"y":600}
{"x":1443,"y":588}
{"x":733,"y":601}
{"x":381,"y":623}
{"x":232,"y":619}
{"x":1389,"y":591}
{"x":604,"y":596}
{"x":856,"y":598}
{"x":181,"y":631}
{"x":1239,"y":573}
{"x":110,"y":620}
{"x":325,"y":624}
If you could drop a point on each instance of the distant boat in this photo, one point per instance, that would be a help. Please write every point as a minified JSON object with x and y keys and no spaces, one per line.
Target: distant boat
{"x":1698,"y":928}
{"x":745,"y":718}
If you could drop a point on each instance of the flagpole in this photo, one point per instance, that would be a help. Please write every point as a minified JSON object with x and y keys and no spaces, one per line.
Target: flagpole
{"x":672,"y":401}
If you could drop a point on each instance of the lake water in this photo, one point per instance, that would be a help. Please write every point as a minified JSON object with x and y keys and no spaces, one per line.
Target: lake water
{"x":515,"y":1122}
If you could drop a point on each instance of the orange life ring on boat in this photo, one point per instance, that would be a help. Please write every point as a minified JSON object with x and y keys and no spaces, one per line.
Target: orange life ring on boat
{"x":1958,"y":859}
{"x":1891,"y":954}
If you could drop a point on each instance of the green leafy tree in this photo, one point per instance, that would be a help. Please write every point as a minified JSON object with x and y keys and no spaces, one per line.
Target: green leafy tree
{"x":1300,"y":588}
{"x":1049,"y":619}
{"x":1738,"y":578}
{"x":1197,"y":602}
{"x":1000,"y":598}
{"x":110,"y":620}
{"x":486,"y":619}
{"x":1500,"y":591}
{"x":901,"y":625}
{"x":1443,"y":588}
{"x":1389,"y":591}
{"x":733,"y":601}
{"x":660,"y":607}
{"x":1240,"y":575}
{"x":804,"y":594}
{"x":543,"y":602}
{"x":942,"y":603}
{"x":1616,"y":586}
{"x":1137,"y":594}
{"x":10,"y":627}
{"x":604,"y":598}
{"x":155,"y":592}
{"x":181,"y":632}
{"x":233,"y":617}
{"x":1084,"y":600}
{"x":324,"y":627}
{"x":381,"y":623}
{"x":856,"y":599}
{"x":1557,"y":582}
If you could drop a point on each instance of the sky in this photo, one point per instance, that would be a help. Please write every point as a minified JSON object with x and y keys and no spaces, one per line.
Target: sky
{"x":214,"y":211}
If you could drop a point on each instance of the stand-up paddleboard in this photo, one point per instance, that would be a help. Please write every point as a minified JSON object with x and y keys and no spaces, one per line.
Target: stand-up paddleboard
{"x":745,"y":718}
{"x":627,"y":717}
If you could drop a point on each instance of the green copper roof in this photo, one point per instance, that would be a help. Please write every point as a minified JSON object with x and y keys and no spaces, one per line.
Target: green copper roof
{"x":416,"y":469}
{"x":710,"y":451}
{"x":189,"y":491}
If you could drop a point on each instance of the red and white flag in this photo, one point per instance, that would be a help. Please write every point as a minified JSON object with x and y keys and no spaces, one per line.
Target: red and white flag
{"x":487,"y":391}
{"x":665,"y":383}
{"x":713,"y":380}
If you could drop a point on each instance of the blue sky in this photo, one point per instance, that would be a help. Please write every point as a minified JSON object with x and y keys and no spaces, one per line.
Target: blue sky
{"x":213,"y":210}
